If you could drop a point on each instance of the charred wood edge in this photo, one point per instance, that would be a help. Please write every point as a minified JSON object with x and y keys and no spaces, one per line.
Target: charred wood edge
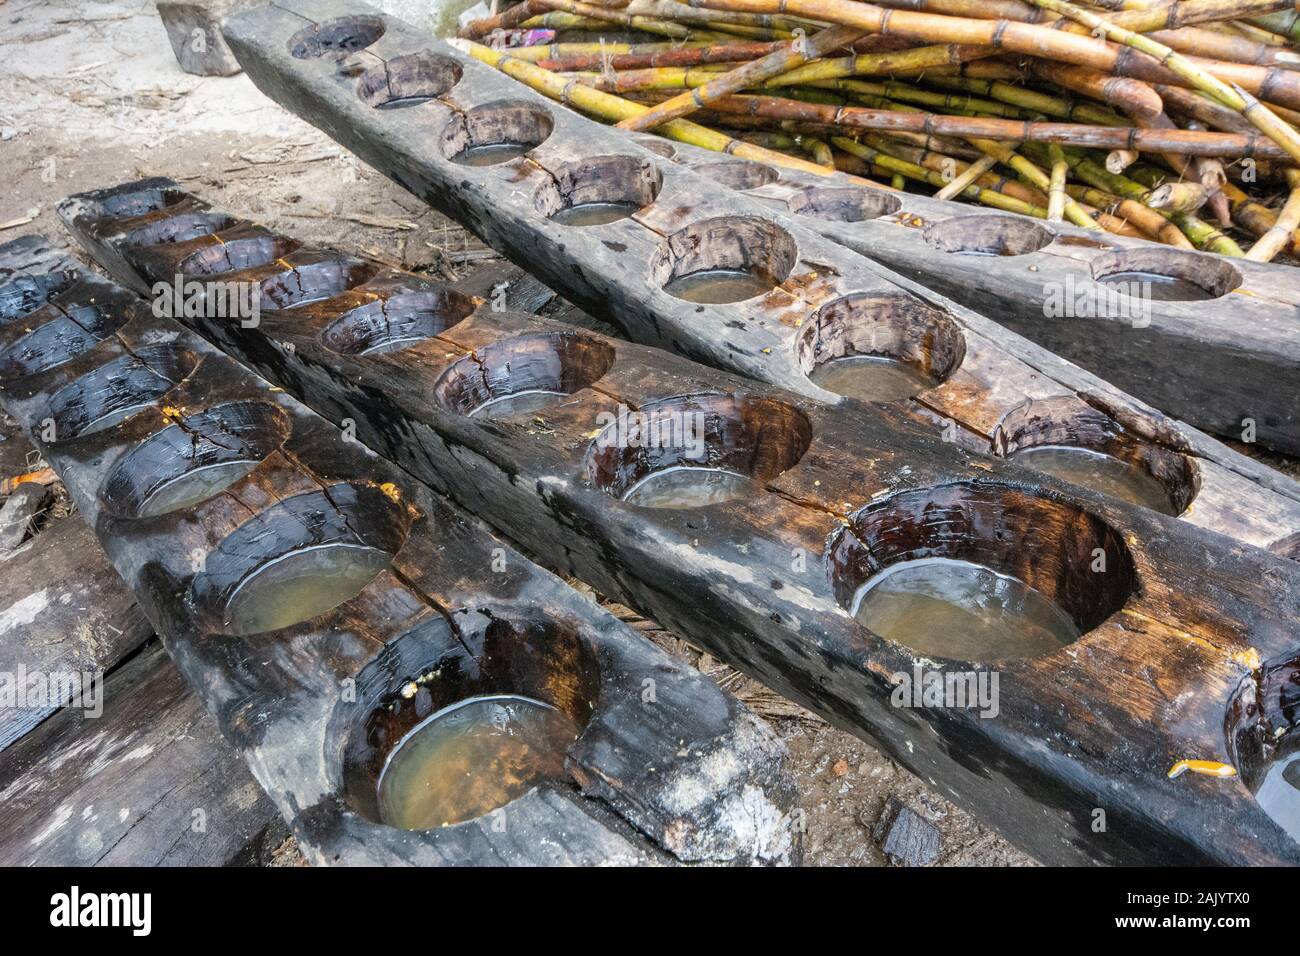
{"x":1095,"y":726}
{"x":696,"y":773}
{"x":148,"y":783}
{"x":1210,"y":363}
{"x":605,"y":269}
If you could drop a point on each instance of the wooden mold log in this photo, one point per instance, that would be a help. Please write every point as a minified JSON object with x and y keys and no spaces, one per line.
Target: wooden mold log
{"x":784,"y":300}
{"x":1206,"y":338}
{"x":406,"y":607}
{"x":1190,"y":474}
{"x":554,"y":435}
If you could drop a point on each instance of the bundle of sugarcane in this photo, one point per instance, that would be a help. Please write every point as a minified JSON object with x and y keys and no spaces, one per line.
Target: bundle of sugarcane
{"x":1176,"y":120}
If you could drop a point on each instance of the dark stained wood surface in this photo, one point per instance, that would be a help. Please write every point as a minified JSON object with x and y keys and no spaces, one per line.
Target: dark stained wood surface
{"x":147,"y":782}
{"x":1179,"y":622}
{"x":617,"y":271}
{"x":695,"y":777}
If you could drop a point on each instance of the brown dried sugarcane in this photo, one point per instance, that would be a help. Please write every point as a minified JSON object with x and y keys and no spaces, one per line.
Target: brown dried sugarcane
{"x":1047,"y":43}
{"x":1257,"y":113}
{"x":751,"y":74}
{"x":1184,"y":142}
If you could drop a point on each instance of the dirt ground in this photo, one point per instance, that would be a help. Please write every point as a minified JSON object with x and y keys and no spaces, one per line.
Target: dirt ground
{"x":92,"y":97}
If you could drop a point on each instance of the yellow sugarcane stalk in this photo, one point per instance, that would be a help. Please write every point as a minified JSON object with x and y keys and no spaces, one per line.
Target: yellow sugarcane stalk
{"x":615,"y":108}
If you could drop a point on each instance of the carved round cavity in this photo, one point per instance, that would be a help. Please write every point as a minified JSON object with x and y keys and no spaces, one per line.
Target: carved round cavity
{"x":116,"y":390}
{"x":26,"y":293}
{"x":336,"y":37}
{"x":843,"y":204}
{"x":738,"y":174}
{"x":194,"y":459}
{"x":408,"y":80}
{"x":496,"y":133}
{"x":979,"y":572}
{"x":987,"y":236}
{"x":521,"y":375}
{"x":396,"y":323}
{"x":1086,"y":447}
{"x":179,"y":228}
{"x":1263,"y":729}
{"x":64,"y":333}
{"x":236,"y":254}
{"x":657,"y":146}
{"x":138,"y":202}
{"x":880,"y":348}
{"x":724,"y":259}
{"x":447,"y":728}
{"x":315,"y":281}
{"x":1166,"y":276}
{"x":299,"y":559}
{"x":697,"y":450}
{"x":600,"y":190}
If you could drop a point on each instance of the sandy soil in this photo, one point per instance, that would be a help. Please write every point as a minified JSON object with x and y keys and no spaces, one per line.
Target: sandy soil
{"x":92,"y":97}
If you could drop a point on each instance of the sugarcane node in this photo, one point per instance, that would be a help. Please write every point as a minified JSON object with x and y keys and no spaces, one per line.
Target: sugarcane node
{"x":1183,"y":197}
{"x":1063,"y":428}
{"x":408,"y":80}
{"x":193,"y":459}
{"x":987,"y":236}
